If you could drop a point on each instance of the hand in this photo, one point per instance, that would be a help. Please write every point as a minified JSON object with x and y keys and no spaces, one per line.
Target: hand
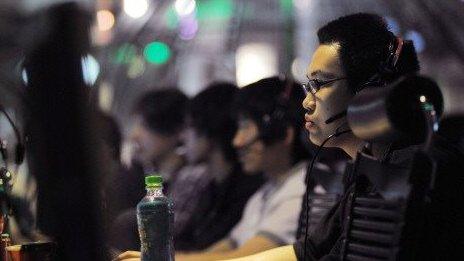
{"x":129,"y":256}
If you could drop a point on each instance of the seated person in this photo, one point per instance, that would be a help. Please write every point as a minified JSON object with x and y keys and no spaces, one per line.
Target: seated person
{"x":156,"y":134}
{"x":351,"y":51}
{"x":212,"y":185}
{"x":268,"y":140}
{"x":324,"y":187}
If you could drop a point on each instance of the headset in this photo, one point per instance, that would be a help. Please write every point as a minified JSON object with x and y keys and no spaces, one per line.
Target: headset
{"x":274,"y":124}
{"x":379,"y":79}
{"x":388,"y":67}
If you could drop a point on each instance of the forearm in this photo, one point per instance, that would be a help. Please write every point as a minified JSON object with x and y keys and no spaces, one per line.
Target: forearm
{"x":221,"y":246}
{"x":202,"y":257}
{"x":253,"y":246}
{"x":276,"y":254}
{"x":209,"y":256}
{"x":215,"y":252}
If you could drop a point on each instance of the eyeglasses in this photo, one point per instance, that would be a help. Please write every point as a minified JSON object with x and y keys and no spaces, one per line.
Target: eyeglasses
{"x":313,"y":86}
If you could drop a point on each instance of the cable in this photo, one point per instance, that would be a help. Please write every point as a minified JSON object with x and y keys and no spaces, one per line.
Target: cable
{"x":311,"y":166}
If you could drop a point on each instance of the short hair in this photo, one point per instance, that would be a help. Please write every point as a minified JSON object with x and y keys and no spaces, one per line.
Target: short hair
{"x":210,"y":114}
{"x":274,"y":104}
{"x":364,"y":41}
{"x":163,"y":111}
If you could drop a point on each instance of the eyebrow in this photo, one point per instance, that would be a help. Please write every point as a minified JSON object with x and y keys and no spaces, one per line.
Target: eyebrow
{"x":322,"y":73}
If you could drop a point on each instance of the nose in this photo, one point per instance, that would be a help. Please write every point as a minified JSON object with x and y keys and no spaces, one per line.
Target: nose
{"x":237,"y":140}
{"x":309,"y":103}
{"x":135,"y":134}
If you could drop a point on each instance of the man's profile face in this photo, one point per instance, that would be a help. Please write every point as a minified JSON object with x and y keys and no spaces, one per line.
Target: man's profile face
{"x":330,"y":99}
{"x":249,"y":149}
{"x":150,"y":146}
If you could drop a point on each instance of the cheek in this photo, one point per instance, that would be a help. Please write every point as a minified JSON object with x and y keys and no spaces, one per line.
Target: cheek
{"x":258,"y":154}
{"x":159,"y":144}
{"x":332,"y":104}
{"x":201,"y":147}
{"x":323,"y":111}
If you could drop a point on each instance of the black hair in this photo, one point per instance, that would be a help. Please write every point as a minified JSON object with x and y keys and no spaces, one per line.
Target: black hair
{"x":364,"y":41}
{"x":210,"y":114}
{"x":266,"y":103}
{"x":162,"y":111}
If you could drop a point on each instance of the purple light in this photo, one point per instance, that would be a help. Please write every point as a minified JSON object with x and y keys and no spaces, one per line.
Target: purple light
{"x":188,"y":28}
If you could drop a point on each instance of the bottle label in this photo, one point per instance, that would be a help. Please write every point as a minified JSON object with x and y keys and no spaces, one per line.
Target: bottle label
{"x":155,"y":230}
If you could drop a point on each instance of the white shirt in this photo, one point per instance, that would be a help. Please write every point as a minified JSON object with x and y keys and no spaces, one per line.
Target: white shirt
{"x":273,"y":211}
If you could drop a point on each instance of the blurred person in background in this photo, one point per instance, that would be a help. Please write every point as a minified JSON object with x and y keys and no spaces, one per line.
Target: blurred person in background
{"x":269,"y":119}
{"x":211,"y":191}
{"x":159,"y":118}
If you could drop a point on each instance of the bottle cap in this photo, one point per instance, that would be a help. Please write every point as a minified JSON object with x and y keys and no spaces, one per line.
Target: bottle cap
{"x":153,"y":181}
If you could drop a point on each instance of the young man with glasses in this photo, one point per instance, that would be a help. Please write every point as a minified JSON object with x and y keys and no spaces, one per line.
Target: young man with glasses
{"x":356,"y":48}
{"x":351,"y":50}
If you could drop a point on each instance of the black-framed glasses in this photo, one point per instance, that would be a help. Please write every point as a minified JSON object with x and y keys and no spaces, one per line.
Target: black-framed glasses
{"x":313,"y":86}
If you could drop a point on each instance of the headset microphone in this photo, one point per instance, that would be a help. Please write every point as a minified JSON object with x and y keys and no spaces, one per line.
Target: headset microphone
{"x":336,"y":117}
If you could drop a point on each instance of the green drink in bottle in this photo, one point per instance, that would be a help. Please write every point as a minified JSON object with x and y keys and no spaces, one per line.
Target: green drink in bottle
{"x":155,"y":219}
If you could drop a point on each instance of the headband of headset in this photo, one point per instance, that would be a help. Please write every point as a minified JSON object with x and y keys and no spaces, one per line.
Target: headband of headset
{"x":388,"y":67}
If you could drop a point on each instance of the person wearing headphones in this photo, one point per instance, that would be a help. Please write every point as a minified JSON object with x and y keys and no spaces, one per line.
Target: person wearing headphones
{"x":267,"y":140}
{"x":357,"y":52}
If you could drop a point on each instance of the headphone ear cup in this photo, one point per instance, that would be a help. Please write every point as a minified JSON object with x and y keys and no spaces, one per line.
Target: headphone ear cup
{"x":273,"y":126}
{"x":388,"y":68}
{"x":19,"y":153}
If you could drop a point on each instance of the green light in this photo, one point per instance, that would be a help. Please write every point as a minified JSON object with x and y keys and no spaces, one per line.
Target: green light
{"x":157,"y":52}
{"x":214,"y":9}
{"x":124,"y":54}
{"x":286,"y":6}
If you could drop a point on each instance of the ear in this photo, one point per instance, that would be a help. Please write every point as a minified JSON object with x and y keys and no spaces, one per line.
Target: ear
{"x":289,"y":136}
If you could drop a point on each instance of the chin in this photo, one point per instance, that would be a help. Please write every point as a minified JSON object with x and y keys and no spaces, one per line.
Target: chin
{"x":249,"y":169}
{"x":315,"y":140}
{"x":332,"y":143}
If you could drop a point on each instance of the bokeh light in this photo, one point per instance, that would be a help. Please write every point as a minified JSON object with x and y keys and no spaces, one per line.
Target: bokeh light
{"x":418,"y":40}
{"x":393,"y":25}
{"x":215,"y":9}
{"x":105,"y":20}
{"x":184,"y":7}
{"x":255,"y":61}
{"x":24,"y":76}
{"x":135,"y":8}
{"x":136,"y":67}
{"x":157,"y":52}
{"x":90,"y":69}
{"x":125,"y":53}
{"x":188,"y":28}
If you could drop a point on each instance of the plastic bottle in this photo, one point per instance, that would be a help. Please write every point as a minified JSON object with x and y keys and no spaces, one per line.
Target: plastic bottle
{"x":4,"y":242}
{"x":155,"y":218}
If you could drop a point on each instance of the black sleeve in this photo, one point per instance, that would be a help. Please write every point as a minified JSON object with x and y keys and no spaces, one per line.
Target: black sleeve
{"x":444,"y":237}
{"x":324,"y":240}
